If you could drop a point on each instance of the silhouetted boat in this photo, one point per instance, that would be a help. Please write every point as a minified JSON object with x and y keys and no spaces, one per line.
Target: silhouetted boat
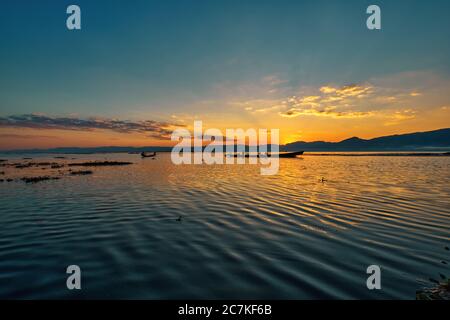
{"x":290,"y":154}
{"x":148,"y":154}
{"x":280,"y":155}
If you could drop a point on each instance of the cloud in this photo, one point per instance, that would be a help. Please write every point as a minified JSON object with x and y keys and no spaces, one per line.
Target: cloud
{"x":156,"y":129}
{"x":291,"y":113}
{"x":336,"y":102}
{"x":258,"y":106}
{"x":354,"y":91}
{"x":398,"y":116}
{"x":351,"y":102}
{"x":27,"y":136}
{"x":327,"y":89}
{"x":351,"y":90}
{"x":354,"y":101}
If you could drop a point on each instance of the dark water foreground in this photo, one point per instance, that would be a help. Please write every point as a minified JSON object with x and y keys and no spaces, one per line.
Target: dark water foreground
{"x":241,"y":235}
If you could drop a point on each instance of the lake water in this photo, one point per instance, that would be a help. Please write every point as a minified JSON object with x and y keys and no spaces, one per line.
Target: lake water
{"x":241,"y":235}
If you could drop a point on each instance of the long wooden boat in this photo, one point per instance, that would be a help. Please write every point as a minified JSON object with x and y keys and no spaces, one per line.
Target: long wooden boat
{"x":148,"y":154}
{"x":280,"y":155}
{"x":290,"y":154}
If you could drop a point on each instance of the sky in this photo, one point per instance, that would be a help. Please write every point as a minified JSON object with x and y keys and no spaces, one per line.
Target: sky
{"x":139,"y":69}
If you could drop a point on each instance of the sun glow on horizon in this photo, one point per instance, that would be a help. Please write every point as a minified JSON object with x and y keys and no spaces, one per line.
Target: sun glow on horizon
{"x":328,"y":112}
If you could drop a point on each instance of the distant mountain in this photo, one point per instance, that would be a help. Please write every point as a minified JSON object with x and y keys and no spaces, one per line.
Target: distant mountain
{"x":81,"y":150}
{"x":425,"y":141}
{"x":437,"y":140}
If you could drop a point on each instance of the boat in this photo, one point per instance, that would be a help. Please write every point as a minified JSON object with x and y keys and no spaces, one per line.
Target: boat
{"x":290,"y":154}
{"x":148,"y":154}
{"x":280,"y":155}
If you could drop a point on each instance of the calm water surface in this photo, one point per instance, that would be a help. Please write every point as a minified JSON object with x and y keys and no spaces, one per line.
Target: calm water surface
{"x":242,"y":235}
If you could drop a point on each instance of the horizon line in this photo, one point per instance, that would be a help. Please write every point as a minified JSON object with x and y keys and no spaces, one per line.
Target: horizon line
{"x":170,"y":147}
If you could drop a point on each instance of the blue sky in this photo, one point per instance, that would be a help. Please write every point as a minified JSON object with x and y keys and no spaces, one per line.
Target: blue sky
{"x":158,"y":58}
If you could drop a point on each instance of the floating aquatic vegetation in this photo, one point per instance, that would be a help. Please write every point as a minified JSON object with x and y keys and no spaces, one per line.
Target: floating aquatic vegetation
{"x":20,"y":165}
{"x":23,"y":165}
{"x":81,"y":172}
{"x":99,"y":164}
{"x":440,"y":292}
{"x":38,"y":179}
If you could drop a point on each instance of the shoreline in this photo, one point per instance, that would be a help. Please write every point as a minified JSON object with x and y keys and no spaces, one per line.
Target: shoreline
{"x":382,"y":154}
{"x":5,"y":155}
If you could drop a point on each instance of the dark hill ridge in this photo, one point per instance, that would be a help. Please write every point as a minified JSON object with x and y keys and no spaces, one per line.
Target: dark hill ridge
{"x":437,"y":140}
{"x":430,"y":140}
